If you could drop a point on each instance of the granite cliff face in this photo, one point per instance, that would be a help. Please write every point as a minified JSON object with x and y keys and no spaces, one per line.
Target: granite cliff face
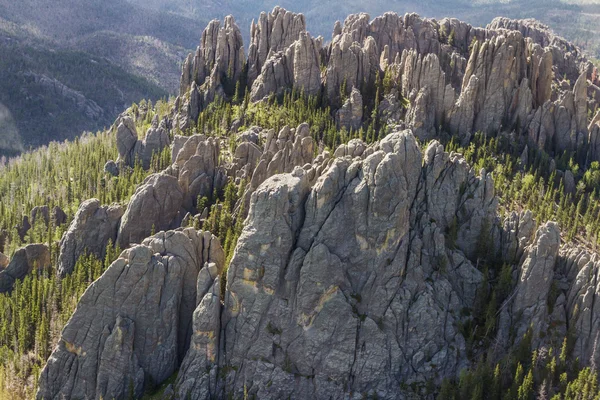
{"x":512,"y":77}
{"x":357,"y":267}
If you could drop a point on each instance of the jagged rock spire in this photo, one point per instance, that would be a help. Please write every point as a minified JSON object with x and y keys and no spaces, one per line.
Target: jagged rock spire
{"x":274,"y":32}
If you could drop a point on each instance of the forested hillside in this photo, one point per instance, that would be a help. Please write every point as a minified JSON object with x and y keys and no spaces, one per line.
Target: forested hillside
{"x":410,"y":211}
{"x":70,"y":67}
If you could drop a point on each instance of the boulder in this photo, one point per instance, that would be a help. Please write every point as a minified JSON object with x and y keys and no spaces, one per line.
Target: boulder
{"x":40,"y":214}
{"x":152,"y":208}
{"x":351,"y":114}
{"x":58,"y":216}
{"x":92,"y":228}
{"x":4,"y":260}
{"x":111,"y":168}
{"x":22,"y":263}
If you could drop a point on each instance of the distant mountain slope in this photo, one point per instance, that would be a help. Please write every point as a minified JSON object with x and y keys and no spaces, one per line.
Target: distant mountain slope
{"x":142,"y":41}
{"x":64,"y":20}
{"x":69,"y":66}
{"x":57,"y":94}
{"x":144,"y":56}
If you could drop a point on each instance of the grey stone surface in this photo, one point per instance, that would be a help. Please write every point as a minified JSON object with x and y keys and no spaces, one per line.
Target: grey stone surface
{"x":133,"y":325}
{"x":23,"y":262}
{"x":273,"y":32}
{"x":152,"y":208}
{"x":90,"y":231}
{"x":351,"y":114}
{"x":308,"y":311}
{"x":111,"y":168}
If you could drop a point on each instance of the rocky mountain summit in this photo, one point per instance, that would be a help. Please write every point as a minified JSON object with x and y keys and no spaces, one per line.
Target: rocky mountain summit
{"x":359,"y":270}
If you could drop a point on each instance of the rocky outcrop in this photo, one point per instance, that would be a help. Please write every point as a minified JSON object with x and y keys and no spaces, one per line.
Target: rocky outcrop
{"x":43,"y":215}
{"x":447,"y":76}
{"x":152,"y":208}
{"x":309,"y":311}
{"x":351,"y":114}
{"x":282,"y":152}
{"x":93,"y":227}
{"x":577,"y":305}
{"x":111,"y":168}
{"x":354,"y":272}
{"x":351,"y":65}
{"x":40,"y":215}
{"x":133,"y":325}
{"x":127,"y":137}
{"x":199,"y":170}
{"x":213,"y":70}
{"x":132,"y":150}
{"x":297,"y":66}
{"x":536,"y":277}
{"x":59,"y":217}
{"x":568,"y":54}
{"x":23,"y":262}
{"x":274,"y":32}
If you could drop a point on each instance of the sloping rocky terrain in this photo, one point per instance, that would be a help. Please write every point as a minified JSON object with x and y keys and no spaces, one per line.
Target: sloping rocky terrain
{"x":264,"y":258}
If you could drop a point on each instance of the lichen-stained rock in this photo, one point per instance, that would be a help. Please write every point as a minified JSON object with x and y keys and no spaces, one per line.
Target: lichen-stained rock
{"x":23,"y":262}
{"x":133,"y":325}
{"x":326,"y":280}
{"x":90,"y":231}
{"x":153,"y":207}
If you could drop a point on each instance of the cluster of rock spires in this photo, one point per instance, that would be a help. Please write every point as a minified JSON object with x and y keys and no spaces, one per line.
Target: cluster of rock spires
{"x":346,"y":281}
{"x":514,"y":77}
{"x":343,"y":281}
